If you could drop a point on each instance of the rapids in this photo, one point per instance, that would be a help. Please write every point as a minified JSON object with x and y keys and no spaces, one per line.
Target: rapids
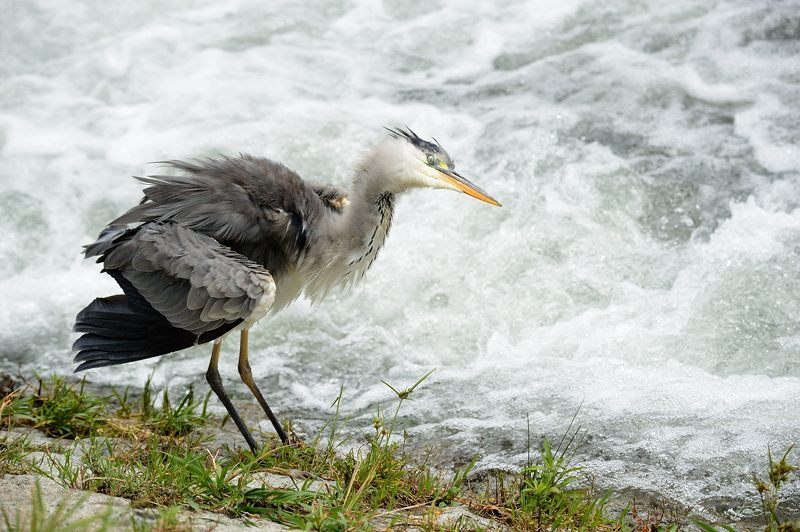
{"x":645,"y":264}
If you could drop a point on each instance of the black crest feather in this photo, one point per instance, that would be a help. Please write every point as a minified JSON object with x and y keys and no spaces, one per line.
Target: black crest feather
{"x":434,"y":148}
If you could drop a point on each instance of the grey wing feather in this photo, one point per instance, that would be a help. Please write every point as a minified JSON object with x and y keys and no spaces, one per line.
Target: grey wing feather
{"x":197,"y":283}
{"x":255,"y":206}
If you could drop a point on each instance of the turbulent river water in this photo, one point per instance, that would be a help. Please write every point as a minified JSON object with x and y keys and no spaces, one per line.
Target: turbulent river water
{"x":645,"y":264}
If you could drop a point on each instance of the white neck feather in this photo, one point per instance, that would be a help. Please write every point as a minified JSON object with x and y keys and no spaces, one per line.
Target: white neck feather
{"x":354,"y":238}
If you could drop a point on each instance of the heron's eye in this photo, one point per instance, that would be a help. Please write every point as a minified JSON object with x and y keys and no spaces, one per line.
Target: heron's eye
{"x":431,"y":159}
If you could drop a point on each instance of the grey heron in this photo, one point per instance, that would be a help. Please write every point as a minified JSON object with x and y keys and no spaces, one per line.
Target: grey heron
{"x":227,"y":240}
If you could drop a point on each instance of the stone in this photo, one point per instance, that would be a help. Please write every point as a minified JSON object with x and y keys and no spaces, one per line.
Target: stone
{"x":273,"y":480}
{"x":457,"y":517}
{"x":93,"y":510}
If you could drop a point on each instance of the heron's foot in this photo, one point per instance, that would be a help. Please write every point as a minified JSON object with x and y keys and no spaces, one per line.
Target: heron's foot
{"x":297,"y":441}
{"x":292,"y":438}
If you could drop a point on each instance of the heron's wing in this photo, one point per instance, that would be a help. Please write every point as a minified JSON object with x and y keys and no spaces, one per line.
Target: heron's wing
{"x":194,"y":281}
{"x":238,"y":201}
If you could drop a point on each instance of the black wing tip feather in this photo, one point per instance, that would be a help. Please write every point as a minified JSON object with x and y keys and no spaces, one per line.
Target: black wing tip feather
{"x":116,"y":332}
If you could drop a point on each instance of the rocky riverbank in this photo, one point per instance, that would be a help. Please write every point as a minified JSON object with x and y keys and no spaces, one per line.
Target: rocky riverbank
{"x":84,"y":457}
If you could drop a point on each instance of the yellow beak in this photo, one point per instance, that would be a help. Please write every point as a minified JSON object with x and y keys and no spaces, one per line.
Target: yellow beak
{"x":467,"y":187}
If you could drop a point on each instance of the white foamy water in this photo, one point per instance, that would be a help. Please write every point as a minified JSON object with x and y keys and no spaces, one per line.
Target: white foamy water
{"x":646,"y":262}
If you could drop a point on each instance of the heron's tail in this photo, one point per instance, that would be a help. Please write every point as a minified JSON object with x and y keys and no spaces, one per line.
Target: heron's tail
{"x":117,"y":333}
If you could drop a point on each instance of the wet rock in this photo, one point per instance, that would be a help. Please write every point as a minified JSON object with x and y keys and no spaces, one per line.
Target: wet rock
{"x":94,"y":509}
{"x":455,"y":517}
{"x":34,"y":437}
{"x":459,"y":518}
{"x":273,"y":480}
{"x":208,"y":521}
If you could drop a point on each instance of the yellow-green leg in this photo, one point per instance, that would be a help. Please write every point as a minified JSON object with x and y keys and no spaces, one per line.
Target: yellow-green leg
{"x":215,"y":381}
{"x":247,"y":377}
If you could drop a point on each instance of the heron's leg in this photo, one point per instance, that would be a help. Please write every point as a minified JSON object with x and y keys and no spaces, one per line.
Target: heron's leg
{"x":247,"y":378}
{"x":215,"y":381}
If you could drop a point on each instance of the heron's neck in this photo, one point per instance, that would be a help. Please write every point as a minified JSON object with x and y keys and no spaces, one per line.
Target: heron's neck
{"x":368,"y":219}
{"x":350,"y":242}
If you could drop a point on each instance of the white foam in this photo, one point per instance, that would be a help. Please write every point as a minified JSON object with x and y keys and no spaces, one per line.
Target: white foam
{"x":776,"y":154}
{"x":721,"y":93}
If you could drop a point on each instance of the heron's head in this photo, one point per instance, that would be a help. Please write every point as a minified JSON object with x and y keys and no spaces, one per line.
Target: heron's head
{"x":415,"y":162}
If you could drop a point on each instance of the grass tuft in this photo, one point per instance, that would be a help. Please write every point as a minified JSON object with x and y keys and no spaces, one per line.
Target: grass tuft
{"x":55,"y":407}
{"x":165,"y":419}
{"x":769,"y":491}
{"x":550,"y":493}
{"x":14,"y":450}
{"x":63,"y":409}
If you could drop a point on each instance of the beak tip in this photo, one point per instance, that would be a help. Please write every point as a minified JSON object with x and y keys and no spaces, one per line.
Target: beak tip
{"x":462,"y":184}
{"x":486,"y":198}
{"x":491,"y":201}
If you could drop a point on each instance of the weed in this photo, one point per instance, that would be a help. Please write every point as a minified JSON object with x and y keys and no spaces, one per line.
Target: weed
{"x":14,"y":450}
{"x":546,"y":494}
{"x":661,"y":516}
{"x":170,"y":420}
{"x":380,"y":475}
{"x":145,"y":416}
{"x":62,"y":409}
{"x":706,"y":527}
{"x":778,"y":473}
{"x":57,"y":409}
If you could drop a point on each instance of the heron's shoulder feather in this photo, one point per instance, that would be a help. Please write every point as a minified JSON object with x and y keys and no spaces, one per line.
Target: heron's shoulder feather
{"x":197,"y":283}
{"x":332,"y":197}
